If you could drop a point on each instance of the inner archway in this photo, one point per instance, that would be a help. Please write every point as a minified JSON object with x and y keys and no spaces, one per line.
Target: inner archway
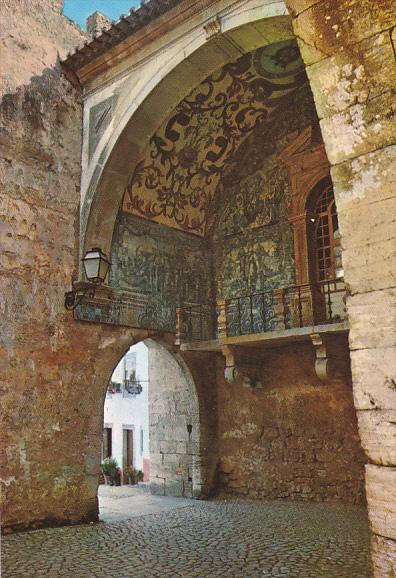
{"x":146,"y":106}
{"x":152,"y":426}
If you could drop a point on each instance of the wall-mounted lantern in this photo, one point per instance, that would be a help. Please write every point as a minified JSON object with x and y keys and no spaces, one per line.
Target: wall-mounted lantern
{"x":96,"y":267}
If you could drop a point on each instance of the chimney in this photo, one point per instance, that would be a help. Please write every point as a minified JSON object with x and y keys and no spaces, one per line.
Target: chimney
{"x":96,"y":23}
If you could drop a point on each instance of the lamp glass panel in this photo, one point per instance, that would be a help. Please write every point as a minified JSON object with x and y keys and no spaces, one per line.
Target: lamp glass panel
{"x":103,"y":269}
{"x":91,"y":265}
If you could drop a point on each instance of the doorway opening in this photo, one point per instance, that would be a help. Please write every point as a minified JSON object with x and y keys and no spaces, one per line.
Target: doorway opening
{"x":125,"y":445}
{"x":151,"y":429}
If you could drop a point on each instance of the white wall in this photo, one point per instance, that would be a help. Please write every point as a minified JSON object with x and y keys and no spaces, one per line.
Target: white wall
{"x":123,"y":411}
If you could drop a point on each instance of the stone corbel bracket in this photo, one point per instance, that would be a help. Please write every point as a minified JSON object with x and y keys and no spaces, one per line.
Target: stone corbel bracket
{"x":213,"y":27}
{"x":239,"y":372}
{"x":327,"y":365}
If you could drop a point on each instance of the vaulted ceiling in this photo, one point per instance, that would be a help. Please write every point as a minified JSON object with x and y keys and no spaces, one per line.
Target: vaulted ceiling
{"x":176,"y":179}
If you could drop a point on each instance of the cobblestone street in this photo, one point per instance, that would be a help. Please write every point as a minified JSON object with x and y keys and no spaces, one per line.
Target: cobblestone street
{"x":200,"y":539}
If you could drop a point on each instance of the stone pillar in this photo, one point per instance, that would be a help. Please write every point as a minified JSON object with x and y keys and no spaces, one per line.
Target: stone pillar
{"x":182,"y":437}
{"x":348,"y":48}
{"x":222,"y":318}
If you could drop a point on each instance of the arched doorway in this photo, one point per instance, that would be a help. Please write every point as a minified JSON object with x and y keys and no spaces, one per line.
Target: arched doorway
{"x":126,"y":417}
{"x":152,"y":426}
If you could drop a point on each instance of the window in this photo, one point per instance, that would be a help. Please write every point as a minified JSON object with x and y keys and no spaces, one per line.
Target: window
{"x":141,"y":441}
{"x":326,"y":229}
{"x":107,"y":442}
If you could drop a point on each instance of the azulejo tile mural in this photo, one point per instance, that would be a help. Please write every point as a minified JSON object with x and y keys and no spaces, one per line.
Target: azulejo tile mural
{"x":175,"y":180}
{"x":195,"y":226}
{"x":163,"y":266}
{"x":253,"y":248}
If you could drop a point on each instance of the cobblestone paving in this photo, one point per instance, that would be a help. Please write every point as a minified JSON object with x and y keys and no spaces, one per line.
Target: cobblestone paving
{"x":207,"y":539}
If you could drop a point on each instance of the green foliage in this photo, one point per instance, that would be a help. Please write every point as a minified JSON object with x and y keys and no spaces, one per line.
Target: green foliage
{"x":110,"y":467}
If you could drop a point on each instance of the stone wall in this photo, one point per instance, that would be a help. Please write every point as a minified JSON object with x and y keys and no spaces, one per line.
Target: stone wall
{"x":175,"y":449}
{"x":33,"y":36}
{"x":295,"y":438}
{"x":344,"y":50}
{"x":53,"y":371}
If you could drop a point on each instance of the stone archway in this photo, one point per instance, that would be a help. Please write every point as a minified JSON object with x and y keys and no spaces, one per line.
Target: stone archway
{"x":176,"y":446}
{"x":355,"y":111}
{"x":165,"y":82}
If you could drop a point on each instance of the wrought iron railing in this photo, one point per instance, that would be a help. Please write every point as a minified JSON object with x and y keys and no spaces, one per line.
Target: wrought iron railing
{"x":285,"y":308}
{"x":133,"y":310}
{"x":195,"y":322}
{"x":273,"y":310}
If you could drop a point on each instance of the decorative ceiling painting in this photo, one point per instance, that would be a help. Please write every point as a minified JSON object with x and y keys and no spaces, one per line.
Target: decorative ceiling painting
{"x":175,"y":181}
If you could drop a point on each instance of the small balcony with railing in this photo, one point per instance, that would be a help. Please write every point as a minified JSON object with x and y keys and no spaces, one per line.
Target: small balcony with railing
{"x":276,"y":314}
{"x":238,"y":326}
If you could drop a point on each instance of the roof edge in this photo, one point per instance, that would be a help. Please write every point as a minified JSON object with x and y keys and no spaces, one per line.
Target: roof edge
{"x":120,"y":30}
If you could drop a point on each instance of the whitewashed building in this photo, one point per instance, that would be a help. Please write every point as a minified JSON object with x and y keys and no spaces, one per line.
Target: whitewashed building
{"x":126,"y":414}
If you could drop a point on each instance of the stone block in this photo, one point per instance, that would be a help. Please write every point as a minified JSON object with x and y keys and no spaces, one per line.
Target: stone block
{"x":351,"y":77}
{"x":168,"y":447}
{"x":171,"y":460}
{"x":362,"y":223}
{"x":381,"y":500}
{"x":329,"y":27}
{"x":365,"y":180}
{"x":374,"y":378}
{"x":360,"y":129}
{"x":156,"y":460}
{"x":377,"y":430}
{"x":372,"y":320}
{"x":193,"y":447}
{"x":174,"y":488}
{"x":383,"y":556}
{"x":157,"y":487}
{"x":297,"y":6}
{"x":370,"y":267}
{"x":181,"y":448}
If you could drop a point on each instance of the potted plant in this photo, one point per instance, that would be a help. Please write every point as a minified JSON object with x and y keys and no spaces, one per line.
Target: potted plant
{"x":129,"y":475}
{"x":132,"y":475}
{"x":110,"y":470}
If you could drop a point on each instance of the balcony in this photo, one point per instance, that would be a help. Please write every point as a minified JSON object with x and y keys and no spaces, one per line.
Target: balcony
{"x":314,"y":313}
{"x":267,"y":318}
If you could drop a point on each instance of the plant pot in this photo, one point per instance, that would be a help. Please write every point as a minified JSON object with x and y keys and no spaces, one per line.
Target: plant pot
{"x":108,"y":480}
